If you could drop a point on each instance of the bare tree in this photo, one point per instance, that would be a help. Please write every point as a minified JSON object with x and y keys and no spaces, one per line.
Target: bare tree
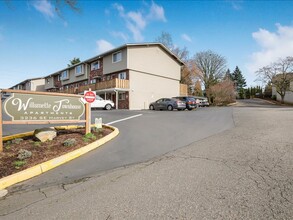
{"x":166,"y":39}
{"x":211,"y":67}
{"x":58,"y":4}
{"x":280,"y":74}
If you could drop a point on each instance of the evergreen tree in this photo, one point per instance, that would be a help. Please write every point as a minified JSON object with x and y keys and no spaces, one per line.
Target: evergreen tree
{"x":73,"y":62}
{"x":238,"y":79}
{"x":228,"y":75}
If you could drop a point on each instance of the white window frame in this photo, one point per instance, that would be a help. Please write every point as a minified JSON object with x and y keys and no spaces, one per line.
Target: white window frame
{"x":78,"y":71}
{"x":96,"y":65}
{"x":64,"y":75}
{"x":117,"y":57}
{"x":122,"y":75}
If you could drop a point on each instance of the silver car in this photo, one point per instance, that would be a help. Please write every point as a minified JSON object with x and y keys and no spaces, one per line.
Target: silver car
{"x":167,"y":104}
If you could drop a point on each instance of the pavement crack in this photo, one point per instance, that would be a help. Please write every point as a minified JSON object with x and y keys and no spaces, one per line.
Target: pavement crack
{"x":42,"y":192}
{"x":63,"y":187}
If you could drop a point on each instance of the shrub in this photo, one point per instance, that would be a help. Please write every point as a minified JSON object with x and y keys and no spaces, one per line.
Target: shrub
{"x":19,"y":163}
{"x":17,"y":140}
{"x":69,"y":142}
{"x":24,"y":154}
{"x":37,"y":144}
{"x":222,"y":93}
{"x":88,"y":137}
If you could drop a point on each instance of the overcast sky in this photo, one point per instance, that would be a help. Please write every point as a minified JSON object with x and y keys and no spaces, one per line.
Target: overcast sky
{"x":35,"y":41}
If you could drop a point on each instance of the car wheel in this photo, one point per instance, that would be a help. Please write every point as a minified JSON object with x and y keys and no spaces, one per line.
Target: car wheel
{"x":152,"y":107}
{"x":108,"y":107}
{"x":189,"y":109}
{"x":170,"y":108}
{"x":179,"y":109}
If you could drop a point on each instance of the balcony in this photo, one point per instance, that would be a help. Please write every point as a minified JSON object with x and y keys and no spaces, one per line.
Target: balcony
{"x":110,"y":84}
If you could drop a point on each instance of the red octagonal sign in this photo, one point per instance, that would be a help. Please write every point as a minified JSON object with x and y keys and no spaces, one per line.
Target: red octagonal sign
{"x":89,"y":96}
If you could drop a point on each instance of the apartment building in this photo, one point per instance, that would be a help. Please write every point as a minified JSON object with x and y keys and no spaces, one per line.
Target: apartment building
{"x":35,"y":84}
{"x":132,"y":75}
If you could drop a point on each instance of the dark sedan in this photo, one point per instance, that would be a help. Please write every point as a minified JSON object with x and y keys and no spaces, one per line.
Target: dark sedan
{"x":190,"y":101}
{"x":167,"y":104}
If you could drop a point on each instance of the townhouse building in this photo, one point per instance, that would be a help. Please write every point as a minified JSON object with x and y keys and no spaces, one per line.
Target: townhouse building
{"x":132,"y":76}
{"x":35,"y":84}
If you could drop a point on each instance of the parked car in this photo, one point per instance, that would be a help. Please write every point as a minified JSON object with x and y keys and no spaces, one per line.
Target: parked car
{"x":167,"y":104}
{"x":102,"y":103}
{"x":204,"y":103}
{"x":189,"y":101}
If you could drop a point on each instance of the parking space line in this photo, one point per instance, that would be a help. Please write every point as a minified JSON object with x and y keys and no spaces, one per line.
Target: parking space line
{"x":123,"y":119}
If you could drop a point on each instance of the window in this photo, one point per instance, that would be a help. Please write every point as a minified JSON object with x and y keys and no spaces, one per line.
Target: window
{"x":122,"y":75}
{"x":122,"y":96}
{"x":108,"y":77}
{"x":117,"y":57}
{"x":78,"y":70}
{"x":48,"y":80}
{"x":93,"y":81}
{"x":96,"y":65}
{"x":64,"y":75}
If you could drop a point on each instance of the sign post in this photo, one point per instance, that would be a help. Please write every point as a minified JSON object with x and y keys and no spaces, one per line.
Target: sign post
{"x":89,"y":97}
{"x":1,"y":139}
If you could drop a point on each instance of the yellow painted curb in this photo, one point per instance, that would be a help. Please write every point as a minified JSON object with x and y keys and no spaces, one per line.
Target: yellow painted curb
{"x":48,"y":165}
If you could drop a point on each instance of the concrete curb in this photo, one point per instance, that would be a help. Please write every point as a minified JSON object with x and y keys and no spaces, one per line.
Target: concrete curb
{"x":48,"y":165}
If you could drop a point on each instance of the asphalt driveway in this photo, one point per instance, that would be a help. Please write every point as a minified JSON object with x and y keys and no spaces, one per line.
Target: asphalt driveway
{"x":145,"y":135}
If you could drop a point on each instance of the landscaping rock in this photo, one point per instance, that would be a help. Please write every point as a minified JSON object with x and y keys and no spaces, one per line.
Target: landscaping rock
{"x":45,"y":134}
{"x":24,"y":154}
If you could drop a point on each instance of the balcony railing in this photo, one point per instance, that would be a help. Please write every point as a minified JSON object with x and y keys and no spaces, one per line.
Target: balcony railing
{"x":113,"y":83}
{"x":183,"y":89}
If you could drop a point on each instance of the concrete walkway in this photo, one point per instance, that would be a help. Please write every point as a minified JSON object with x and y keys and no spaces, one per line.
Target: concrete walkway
{"x":242,"y":173}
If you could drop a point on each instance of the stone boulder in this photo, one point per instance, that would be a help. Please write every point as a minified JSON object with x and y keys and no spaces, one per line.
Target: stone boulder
{"x":45,"y":134}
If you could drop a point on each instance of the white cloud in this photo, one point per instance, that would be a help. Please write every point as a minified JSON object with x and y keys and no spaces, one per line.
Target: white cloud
{"x":121,"y":35}
{"x":44,"y":7}
{"x":103,"y":46}
{"x":237,"y":5}
{"x":186,"y":38}
{"x":274,"y":45}
{"x":136,"y":21}
{"x":157,"y":13}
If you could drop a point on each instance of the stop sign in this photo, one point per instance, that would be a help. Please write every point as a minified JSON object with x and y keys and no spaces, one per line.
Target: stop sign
{"x":89,"y":96}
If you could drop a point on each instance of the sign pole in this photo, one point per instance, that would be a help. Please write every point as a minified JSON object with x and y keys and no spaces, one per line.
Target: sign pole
{"x":87,"y":118}
{"x":1,"y":123}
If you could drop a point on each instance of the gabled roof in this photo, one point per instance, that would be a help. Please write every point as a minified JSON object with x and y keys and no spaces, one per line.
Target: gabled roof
{"x":135,"y":45}
{"x":120,"y":48}
{"x":27,"y":80}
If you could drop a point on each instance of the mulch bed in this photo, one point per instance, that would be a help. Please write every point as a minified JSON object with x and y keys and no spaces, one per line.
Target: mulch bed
{"x":42,"y":152}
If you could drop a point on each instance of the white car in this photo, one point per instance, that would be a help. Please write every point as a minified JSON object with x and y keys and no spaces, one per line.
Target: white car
{"x":102,"y":103}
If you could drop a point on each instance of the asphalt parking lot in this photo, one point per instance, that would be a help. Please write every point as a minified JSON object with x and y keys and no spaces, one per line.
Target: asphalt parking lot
{"x":238,"y":165}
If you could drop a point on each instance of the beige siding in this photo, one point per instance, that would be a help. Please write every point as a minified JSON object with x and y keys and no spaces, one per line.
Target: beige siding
{"x":49,"y":82}
{"x":146,"y":88}
{"x":110,"y":67}
{"x":154,"y":60}
{"x":37,"y":85}
{"x":76,"y":78}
